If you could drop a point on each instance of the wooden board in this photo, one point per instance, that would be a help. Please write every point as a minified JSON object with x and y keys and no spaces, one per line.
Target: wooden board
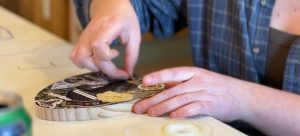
{"x":75,"y":98}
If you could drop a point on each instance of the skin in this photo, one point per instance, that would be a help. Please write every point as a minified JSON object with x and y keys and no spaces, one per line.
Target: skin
{"x":111,"y":19}
{"x":194,"y":91}
{"x":286,"y":16}
{"x":203,"y":92}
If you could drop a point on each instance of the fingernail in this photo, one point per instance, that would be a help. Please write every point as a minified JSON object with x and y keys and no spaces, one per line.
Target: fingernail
{"x":147,"y":80}
{"x":137,"y":110}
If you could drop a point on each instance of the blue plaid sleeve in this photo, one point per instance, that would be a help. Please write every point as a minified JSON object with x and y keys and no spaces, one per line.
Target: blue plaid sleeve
{"x":161,"y":17}
{"x":82,"y":10}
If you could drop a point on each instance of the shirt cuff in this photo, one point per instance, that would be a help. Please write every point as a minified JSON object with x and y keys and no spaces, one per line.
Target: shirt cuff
{"x":83,"y":11}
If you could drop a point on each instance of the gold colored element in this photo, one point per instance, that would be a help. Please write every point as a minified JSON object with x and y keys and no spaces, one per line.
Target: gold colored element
{"x":152,"y":87}
{"x":113,"y":97}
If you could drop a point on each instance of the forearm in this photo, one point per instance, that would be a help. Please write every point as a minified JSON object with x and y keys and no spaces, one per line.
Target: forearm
{"x":272,"y":111}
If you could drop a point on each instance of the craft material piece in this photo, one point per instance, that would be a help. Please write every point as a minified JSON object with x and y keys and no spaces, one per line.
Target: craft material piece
{"x":114,"y":97}
{"x":152,"y":87}
{"x":87,"y":96}
{"x":180,"y":129}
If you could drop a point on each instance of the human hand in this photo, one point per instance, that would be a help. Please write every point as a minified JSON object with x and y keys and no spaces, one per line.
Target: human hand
{"x":201,"y":92}
{"x":111,"y":19}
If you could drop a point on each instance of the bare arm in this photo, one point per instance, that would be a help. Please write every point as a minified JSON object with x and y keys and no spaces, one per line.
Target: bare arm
{"x":272,"y":111}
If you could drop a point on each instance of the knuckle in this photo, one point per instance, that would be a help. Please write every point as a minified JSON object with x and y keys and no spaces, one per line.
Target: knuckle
{"x":206,"y":108}
{"x":172,"y":92}
{"x":95,"y":44}
{"x":196,"y":109}
{"x":168,"y":93}
{"x":188,"y":111}
{"x":187,"y":97}
{"x":185,"y":112}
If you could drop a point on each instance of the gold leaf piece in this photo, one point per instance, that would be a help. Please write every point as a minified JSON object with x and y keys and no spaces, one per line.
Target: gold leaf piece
{"x":114,"y":97}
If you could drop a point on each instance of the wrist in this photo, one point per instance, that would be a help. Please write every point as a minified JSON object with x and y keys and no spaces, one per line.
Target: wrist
{"x":247,"y":100}
{"x":255,"y":100}
{"x":104,"y":5}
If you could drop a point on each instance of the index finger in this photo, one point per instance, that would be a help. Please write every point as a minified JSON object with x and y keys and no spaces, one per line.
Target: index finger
{"x":169,"y":75}
{"x":110,"y":69}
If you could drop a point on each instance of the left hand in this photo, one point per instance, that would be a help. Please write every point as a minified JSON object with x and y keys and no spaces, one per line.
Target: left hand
{"x":201,"y":92}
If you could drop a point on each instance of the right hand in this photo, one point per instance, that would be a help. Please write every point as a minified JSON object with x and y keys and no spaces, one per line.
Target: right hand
{"x":110,"y":19}
{"x":198,"y":92}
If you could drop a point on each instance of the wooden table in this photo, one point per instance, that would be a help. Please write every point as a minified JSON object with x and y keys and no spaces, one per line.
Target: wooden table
{"x":32,"y":58}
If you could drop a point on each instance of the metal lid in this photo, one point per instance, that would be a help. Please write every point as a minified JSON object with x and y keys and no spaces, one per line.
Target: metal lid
{"x":9,"y":101}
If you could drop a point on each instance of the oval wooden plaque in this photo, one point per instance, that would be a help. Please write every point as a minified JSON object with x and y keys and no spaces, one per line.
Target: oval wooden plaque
{"x":75,"y":98}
